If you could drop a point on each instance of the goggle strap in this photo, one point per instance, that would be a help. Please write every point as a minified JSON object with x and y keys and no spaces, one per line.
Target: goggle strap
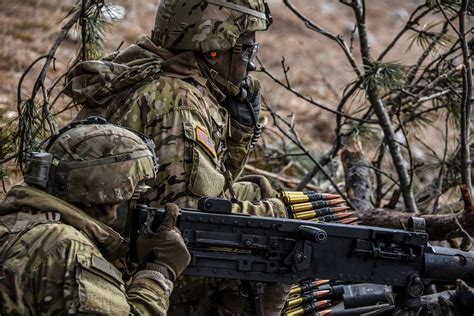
{"x":239,"y":8}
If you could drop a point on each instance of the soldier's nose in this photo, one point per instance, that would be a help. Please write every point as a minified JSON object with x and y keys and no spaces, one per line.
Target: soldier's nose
{"x":251,"y":66}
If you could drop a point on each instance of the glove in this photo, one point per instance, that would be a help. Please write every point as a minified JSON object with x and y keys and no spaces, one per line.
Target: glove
{"x":245,"y":107}
{"x":164,"y":250}
{"x":318,"y":207}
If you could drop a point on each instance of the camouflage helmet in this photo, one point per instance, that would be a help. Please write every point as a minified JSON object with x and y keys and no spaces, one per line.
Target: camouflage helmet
{"x":92,"y":162}
{"x":207,"y":25}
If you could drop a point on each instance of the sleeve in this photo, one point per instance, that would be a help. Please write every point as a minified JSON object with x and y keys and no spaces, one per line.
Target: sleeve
{"x":74,"y":278}
{"x":272,"y":207}
{"x":255,"y":196}
{"x":238,"y":148}
{"x":171,"y":113}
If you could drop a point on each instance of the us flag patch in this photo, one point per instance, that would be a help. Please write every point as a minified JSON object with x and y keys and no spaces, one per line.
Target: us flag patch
{"x":204,"y":139}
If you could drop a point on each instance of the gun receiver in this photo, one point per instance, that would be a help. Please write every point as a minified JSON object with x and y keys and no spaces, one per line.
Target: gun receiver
{"x":261,"y":249}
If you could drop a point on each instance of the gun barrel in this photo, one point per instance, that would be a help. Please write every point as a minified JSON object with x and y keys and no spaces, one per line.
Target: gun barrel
{"x":448,"y":264}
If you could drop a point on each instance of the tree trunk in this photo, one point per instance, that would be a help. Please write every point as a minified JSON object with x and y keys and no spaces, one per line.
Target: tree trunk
{"x":438,"y":227}
{"x":358,"y":175}
{"x":382,"y":115}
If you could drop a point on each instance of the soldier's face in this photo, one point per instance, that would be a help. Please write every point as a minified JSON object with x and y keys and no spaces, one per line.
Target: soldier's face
{"x":237,"y":69}
{"x":106,"y":214}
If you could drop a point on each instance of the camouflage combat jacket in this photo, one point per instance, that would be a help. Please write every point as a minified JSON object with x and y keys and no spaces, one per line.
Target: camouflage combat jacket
{"x":167,"y":97}
{"x":55,"y":260}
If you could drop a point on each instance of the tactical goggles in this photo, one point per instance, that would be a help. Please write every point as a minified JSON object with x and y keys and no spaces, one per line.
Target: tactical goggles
{"x":249,"y":52}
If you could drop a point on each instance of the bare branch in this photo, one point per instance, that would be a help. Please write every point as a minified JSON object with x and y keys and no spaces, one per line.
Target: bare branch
{"x":466,"y":102}
{"x":411,"y":21}
{"x":434,"y":82}
{"x":379,"y":108}
{"x":309,"y":99}
{"x":295,"y":140}
{"x":337,"y":38}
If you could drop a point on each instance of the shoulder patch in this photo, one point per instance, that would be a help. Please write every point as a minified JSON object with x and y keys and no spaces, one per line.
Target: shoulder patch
{"x":204,"y":139}
{"x":106,"y":267}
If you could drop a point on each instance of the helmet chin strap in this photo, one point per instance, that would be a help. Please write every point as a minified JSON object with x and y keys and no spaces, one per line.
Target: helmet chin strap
{"x":236,"y":51}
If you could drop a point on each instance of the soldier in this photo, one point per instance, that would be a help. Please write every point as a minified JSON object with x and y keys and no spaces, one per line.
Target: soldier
{"x":188,"y":88}
{"x":58,"y":252}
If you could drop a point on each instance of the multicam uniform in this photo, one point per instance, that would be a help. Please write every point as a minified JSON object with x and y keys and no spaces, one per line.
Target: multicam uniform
{"x":55,"y":259}
{"x":167,"y":95}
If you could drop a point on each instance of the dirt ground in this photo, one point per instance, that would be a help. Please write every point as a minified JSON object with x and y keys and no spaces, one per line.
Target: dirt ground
{"x":317,"y":66}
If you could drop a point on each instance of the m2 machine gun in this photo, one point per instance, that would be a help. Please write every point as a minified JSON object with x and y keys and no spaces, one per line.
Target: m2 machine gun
{"x":274,"y":250}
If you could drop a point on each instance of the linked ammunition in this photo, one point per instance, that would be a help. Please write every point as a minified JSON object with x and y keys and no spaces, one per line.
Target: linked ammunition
{"x":310,"y":308}
{"x":319,"y":288}
{"x":320,"y":212}
{"x":306,"y":287}
{"x":301,"y":197}
{"x":350,"y":220}
{"x":301,"y":207}
{"x":303,"y":299}
{"x":334,"y":217}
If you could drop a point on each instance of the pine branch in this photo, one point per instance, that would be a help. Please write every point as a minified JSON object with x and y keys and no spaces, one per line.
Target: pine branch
{"x":466,"y":102}
{"x":35,"y":119}
{"x":379,"y":108}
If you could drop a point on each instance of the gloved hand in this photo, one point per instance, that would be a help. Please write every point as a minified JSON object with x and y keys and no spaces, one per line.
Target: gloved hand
{"x":164,"y":250}
{"x":245,"y":108}
{"x":319,"y":207}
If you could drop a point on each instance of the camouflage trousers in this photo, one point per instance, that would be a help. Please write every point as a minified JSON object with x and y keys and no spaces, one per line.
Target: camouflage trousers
{"x":210,"y":296}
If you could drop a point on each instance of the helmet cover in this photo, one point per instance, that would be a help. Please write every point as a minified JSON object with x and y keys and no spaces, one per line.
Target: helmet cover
{"x":99,"y":164}
{"x":207,"y":25}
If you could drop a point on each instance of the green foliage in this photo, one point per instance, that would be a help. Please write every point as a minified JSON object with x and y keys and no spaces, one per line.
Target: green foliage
{"x":369,"y":135}
{"x":384,"y":77}
{"x":427,"y":37}
{"x":417,"y":118}
{"x":451,"y":101}
{"x":450,"y":7}
{"x":33,"y":128}
{"x":35,"y":122}
{"x":95,"y":26}
{"x":7,"y":145}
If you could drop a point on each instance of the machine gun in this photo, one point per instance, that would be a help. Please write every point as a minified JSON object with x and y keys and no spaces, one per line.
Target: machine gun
{"x":275,"y":250}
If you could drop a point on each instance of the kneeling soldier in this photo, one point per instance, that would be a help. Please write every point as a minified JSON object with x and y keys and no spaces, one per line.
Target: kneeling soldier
{"x":63,"y":236}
